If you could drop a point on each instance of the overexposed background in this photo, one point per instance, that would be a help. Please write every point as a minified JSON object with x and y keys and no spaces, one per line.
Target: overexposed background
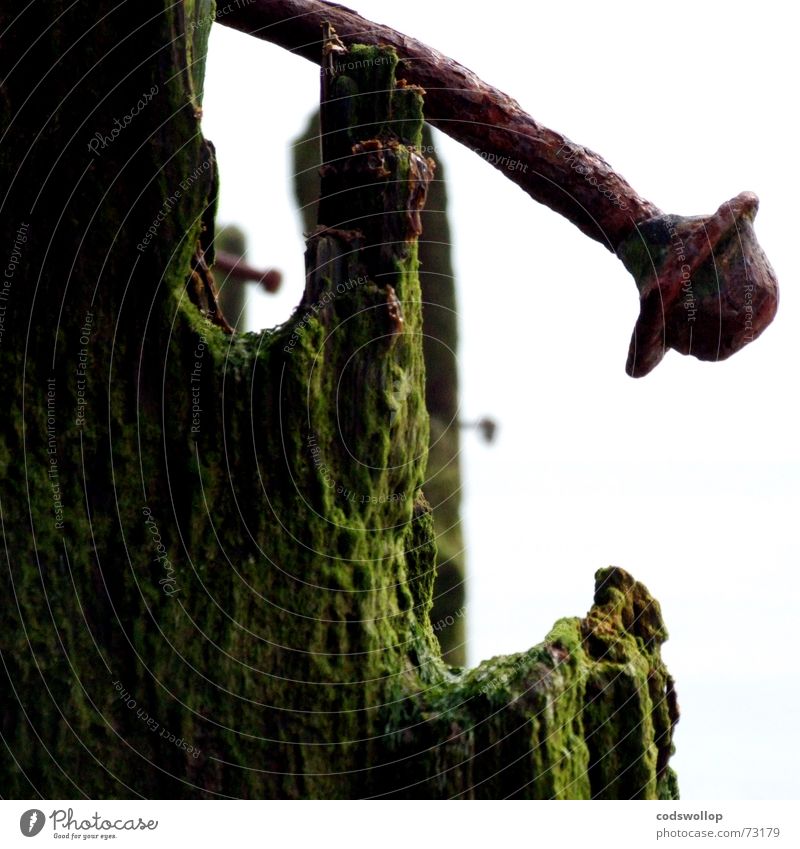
{"x":688,"y":478}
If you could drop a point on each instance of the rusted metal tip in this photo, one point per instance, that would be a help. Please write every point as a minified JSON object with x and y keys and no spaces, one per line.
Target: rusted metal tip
{"x":705,"y":285}
{"x":239,"y":271}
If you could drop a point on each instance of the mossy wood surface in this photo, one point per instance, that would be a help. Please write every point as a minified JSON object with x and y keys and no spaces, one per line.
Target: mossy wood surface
{"x":442,"y":484}
{"x":217,"y":560}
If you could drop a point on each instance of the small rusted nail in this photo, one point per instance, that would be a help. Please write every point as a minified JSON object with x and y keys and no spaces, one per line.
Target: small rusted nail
{"x":486,"y":427}
{"x":238,"y":270}
{"x":705,"y":285}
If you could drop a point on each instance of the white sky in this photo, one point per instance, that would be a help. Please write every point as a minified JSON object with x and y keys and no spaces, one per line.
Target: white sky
{"x":688,"y":478}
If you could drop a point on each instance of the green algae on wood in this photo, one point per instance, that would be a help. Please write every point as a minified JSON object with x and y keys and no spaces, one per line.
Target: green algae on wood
{"x":589,"y":713}
{"x":442,"y":483}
